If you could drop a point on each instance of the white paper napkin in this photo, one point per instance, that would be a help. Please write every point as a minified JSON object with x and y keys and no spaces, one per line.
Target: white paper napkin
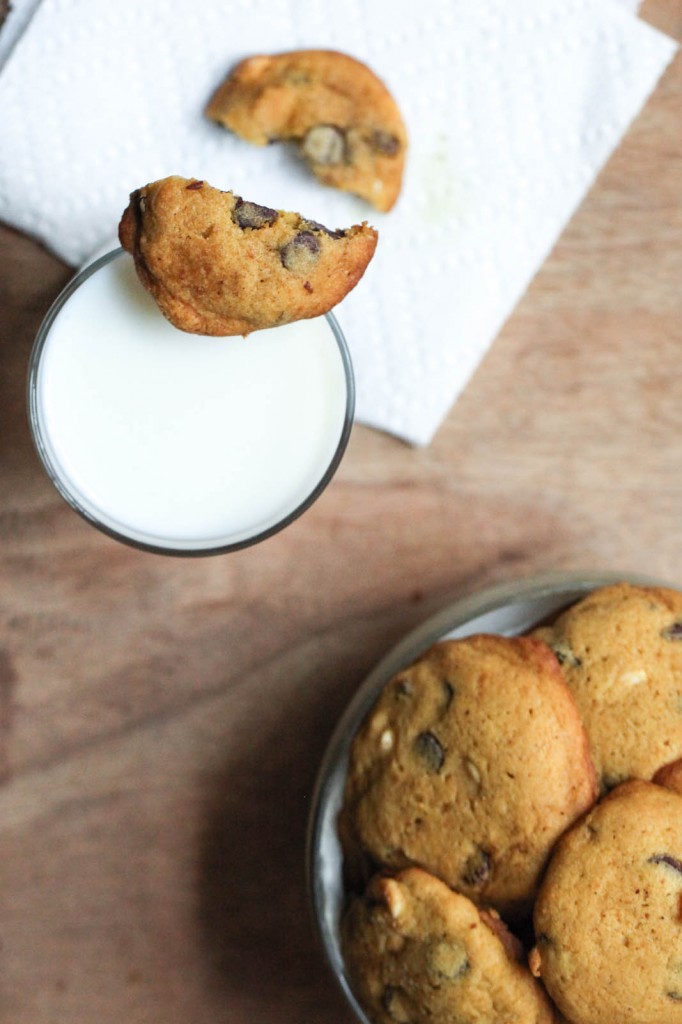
{"x":511,"y":108}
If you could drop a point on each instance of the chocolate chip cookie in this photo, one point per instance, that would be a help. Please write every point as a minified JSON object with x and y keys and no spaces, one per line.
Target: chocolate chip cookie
{"x":418,"y":953}
{"x":471,"y":764}
{"x":608,"y":917}
{"x":620,"y":649}
{"x":343,"y":119}
{"x":218,"y":264}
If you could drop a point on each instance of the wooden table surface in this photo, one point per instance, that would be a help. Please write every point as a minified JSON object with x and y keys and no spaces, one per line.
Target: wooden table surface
{"x":162,"y":720}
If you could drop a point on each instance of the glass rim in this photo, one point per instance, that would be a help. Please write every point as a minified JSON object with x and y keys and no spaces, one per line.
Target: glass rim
{"x":38,"y":436}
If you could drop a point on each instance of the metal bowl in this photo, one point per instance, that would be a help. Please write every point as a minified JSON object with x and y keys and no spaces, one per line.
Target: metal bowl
{"x":508,"y":609}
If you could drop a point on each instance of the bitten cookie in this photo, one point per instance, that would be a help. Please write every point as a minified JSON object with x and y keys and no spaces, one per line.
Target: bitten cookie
{"x":608,"y":917}
{"x":418,"y":953}
{"x":620,"y":649}
{"x":217,"y":264}
{"x":471,"y":764}
{"x":345,"y":121}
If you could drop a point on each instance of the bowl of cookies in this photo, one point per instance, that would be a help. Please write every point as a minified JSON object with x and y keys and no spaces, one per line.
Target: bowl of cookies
{"x":496,"y":830}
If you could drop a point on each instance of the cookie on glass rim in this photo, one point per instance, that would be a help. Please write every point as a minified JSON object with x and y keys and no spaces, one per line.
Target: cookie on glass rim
{"x":219,"y":265}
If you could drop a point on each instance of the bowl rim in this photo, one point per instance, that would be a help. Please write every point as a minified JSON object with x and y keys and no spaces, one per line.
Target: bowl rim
{"x":456,"y":615}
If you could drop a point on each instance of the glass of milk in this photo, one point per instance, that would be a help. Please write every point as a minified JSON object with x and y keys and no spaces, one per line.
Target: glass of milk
{"x":178,"y":443}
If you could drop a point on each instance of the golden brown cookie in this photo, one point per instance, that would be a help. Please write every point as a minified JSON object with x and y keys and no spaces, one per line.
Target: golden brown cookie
{"x":608,"y":917}
{"x":217,"y":264}
{"x":344,"y":120}
{"x":620,"y":649}
{"x":471,"y":764}
{"x":418,"y":953}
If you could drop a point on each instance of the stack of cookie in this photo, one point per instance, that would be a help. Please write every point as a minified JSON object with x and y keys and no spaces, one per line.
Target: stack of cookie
{"x":528,"y":785}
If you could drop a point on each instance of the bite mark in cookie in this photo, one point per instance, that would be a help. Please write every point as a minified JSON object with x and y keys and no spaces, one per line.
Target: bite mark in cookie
{"x":334,"y":108}
{"x":218,"y":264}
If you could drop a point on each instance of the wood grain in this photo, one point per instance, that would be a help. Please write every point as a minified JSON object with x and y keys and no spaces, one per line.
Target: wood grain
{"x":161,"y":720}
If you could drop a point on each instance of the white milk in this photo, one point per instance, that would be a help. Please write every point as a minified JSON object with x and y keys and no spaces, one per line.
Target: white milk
{"x":179,"y":441}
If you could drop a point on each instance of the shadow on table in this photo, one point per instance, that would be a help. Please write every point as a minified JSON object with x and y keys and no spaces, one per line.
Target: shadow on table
{"x":30,"y":279}
{"x":255,"y":917}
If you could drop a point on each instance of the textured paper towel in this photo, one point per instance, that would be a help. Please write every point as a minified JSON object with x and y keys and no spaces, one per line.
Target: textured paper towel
{"x":22,"y":11}
{"x":511,"y":110}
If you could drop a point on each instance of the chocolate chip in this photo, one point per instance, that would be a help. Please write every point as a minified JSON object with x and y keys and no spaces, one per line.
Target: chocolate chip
{"x":194,"y":186}
{"x":477,"y":868}
{"x":393,"y":1003}
{"x":324,"y":144}
{"x":672,"y":632}
{"x":675,"y":996}
{"x":314,"y":225}
{"x":449,"y":692}
{"x":384,"y":142}
{"x":666,"y":858}
{"x":565,"y":656}
{"x":251,"y":215}
{"x":301,"y":252}
{"x":429,"y":750}
{"x":404,"y":688}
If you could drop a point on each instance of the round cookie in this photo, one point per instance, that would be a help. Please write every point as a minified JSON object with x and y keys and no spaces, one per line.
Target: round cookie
{"x":608,"y":916}
{"x":216,"y":264}
{"x":418,"y":953}
{"x":346,"y":122}
{"x":620,"y":649}
{"x":471,"y":763}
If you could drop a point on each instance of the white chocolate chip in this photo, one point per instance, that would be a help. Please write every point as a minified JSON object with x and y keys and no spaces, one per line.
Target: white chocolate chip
{"x":448,"y":959}
{"x":633,"y":678}
{"x":395,"y":901}
{"x":386,"y":741}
